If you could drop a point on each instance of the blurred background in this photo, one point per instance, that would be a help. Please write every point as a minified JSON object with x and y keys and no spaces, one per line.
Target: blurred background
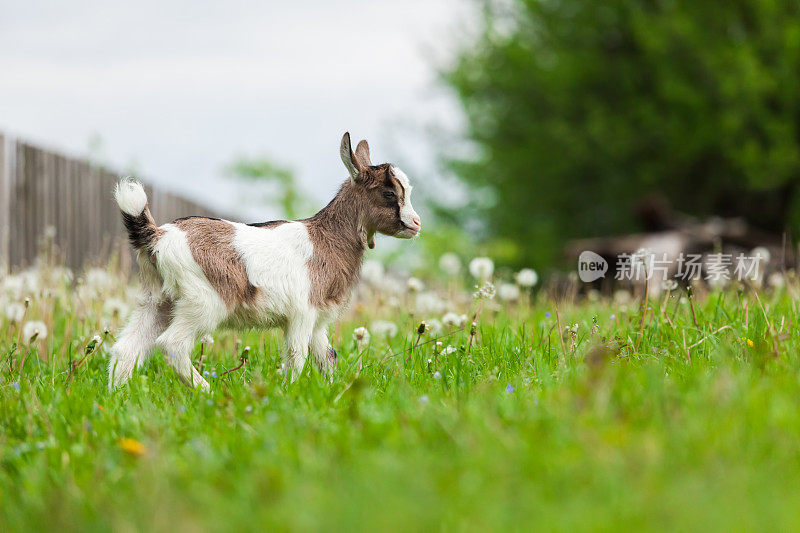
{"x":525,"y":125}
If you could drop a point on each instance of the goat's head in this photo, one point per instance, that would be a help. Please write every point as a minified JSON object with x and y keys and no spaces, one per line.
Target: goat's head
{"x":385,"y":193}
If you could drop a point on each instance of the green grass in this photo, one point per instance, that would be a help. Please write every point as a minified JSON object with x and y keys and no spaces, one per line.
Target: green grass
{"x":632,"y":436}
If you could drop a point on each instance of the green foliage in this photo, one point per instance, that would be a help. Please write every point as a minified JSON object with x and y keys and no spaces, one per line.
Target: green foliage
{"x":288,"y":198}
{"x":664,"y":428}
{"x":579,"y":109}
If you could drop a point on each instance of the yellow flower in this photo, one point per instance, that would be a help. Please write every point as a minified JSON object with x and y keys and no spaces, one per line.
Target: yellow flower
{"x":132,"y":446}
{"x":748,"y":341}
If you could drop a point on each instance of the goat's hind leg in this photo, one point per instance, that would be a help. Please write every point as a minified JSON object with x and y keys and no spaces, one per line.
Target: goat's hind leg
{"x":137,"y":339}
{"x":190,"y":320}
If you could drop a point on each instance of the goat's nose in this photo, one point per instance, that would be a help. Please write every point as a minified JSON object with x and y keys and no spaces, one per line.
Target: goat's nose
{"x":416,"y":221}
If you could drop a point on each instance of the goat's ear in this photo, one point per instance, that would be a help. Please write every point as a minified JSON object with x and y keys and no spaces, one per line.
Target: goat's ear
{"x":349,"y":158}
{"x":362,"y":154}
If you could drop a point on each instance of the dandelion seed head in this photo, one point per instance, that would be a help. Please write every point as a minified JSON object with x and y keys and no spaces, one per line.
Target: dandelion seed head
{"x":508,"y":292}
{"x":485,"y":291}
{"x":361,"y":336}
{"x":622,"y":296}
{"x":776,"y":280}
{"x":761,"y":254}
{"x":14,"y":312}
{"x":415,"y":284}
{"x":428,"y":303}
{"x":669,"y":285}
{"x":34,"y":330}
{"x":481,"y":268}
{"x":453,"y":320}
{"x":115,"y":308}
{"x":527,"y":277}
{"x":450,"y":264}
{"x":372,"y":272}
{"x":98,"y":279}
{"x":433,"y":327}
{"x":384,"y":328}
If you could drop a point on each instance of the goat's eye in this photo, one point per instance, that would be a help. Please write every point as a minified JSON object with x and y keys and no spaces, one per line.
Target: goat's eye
{"x":389,"y":195}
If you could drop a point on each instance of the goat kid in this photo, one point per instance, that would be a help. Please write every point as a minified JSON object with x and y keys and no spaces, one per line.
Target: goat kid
{"x":200,"y":273}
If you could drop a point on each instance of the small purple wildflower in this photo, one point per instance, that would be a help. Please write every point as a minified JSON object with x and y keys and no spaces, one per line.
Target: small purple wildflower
{"x":547,"y":314}
{"x":206,"y":373}
{"x":612,"y":317}
{"x":509,"y":388}
{"x":15,"y":385}
{"x":181,"y":408}
{"x":437,"y":375}
{"x":424,"y":399}
{"x":214,"y":375}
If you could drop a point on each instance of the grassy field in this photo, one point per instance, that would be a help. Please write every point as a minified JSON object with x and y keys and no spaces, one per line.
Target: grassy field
{"x":682,"y":414}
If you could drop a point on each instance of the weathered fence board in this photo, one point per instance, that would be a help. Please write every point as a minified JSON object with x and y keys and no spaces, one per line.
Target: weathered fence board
{"x":44,"y":194}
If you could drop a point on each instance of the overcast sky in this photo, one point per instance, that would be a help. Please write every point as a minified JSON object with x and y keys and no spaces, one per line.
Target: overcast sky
{"x":176,"y":89}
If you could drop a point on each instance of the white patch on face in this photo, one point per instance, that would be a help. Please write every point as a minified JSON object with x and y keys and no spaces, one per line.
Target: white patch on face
{"x":276,"y":261}
{"x":407,"y":213}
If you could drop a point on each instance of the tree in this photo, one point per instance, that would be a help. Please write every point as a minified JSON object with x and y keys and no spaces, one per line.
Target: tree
{"x":580,"y":109}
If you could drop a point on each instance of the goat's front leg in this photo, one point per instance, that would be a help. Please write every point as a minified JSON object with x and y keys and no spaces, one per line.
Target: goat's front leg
{"x":324,"y":354}
{"x":298,"y":337}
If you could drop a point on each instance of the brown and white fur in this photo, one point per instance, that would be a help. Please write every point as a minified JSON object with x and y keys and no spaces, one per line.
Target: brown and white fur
{"x":200,"y":273}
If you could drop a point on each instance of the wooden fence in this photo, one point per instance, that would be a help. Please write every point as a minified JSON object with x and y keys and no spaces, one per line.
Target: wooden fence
{"x":48,"y":195}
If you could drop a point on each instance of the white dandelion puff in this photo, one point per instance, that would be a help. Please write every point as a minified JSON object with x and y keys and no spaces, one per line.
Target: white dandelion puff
{"x":384,"y":328}
{"x":116,"y":308}
{"x":428,"y":303}
{"x":508,"y":292}
{"x":415,"y":284}
{"x":776,"y":280}
{"x":527,"y":277}
{"x":761,"y":254}
{"x":670,"y":285}
{"x":34,"y":330}
{"x":361,"y":336}
{"x":481,"y":268}
{"x":15,"y":311}
{"x":450,"y":264}
{"x":485,"y":291}
{"x":434,"y":327}
{"x":372,"y":272}
{"x":98,"y":279}
{"x":454,"y":320}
